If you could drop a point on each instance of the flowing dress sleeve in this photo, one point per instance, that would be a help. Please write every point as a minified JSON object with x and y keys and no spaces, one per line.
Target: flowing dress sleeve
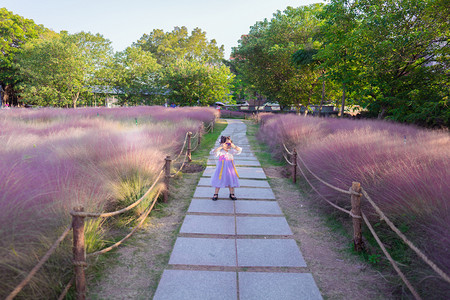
{"x":236,"y":151}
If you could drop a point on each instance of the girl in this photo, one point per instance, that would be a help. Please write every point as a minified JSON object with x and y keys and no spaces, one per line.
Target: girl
{"x":225,"y":174}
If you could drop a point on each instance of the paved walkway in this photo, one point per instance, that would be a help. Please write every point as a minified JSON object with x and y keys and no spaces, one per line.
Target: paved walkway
{"x":236,"y":249}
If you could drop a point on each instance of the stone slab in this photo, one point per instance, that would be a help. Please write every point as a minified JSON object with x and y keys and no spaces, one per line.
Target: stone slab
{"x":241,"y":193}
{"x":269,"y":253}
{"x":269,"y":286}
{"x":262,"y":226}
{"x":244,"y":172}
{"x":184,"y":284}
{"x":203,"y":251}
{"x":202,"y":206}
{"x":246,"y":163}
{"x":208,"y":224}
{"x":258,"y":207}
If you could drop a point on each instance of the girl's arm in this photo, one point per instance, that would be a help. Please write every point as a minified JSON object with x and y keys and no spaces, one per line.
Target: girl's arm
{"x":216,"y":150}
{"x":237,"y":149}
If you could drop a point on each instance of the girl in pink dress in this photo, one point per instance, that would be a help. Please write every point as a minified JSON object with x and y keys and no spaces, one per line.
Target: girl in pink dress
{"x":225,"y":174}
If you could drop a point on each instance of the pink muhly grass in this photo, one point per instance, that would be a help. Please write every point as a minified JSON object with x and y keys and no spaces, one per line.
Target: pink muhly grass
{"x":405,"y":169}
{"x":54,"y":159}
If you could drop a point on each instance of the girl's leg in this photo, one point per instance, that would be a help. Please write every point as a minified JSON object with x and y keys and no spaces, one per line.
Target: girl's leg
{"x":232,"y":196}
{"x":216,"y":194}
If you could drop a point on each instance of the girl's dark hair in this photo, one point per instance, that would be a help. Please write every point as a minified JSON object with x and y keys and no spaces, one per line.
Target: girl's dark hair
{"x":223,"y":139}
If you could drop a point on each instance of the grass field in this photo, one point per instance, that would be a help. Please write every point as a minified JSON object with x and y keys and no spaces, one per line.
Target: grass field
{"x":404,"y":168}
{"x":54,"y":159}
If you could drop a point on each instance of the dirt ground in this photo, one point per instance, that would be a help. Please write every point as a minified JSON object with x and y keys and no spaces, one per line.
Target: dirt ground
{"x":338,"y":273}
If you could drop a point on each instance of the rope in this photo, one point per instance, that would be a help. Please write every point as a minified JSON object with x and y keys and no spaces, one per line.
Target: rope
{"x":195,"y":148}
{"x":329,"y":202}
{"x":326,"y":183}
{"x":195,"y":135}
{"x":393,"y":263}
{"x":179,"y":170}
{"x":182,"y":148}
{"x":287,"y":160}
{"x":66,"y":289}
{"x":144,"y":216}
{"x":290,"y":153}
{"x":39,"y":265}
{"x":405,"y":239}
{"x":110,"y":214}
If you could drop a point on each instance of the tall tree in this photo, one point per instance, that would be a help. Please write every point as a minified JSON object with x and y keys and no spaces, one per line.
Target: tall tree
{"x":264,"y":56}
{"x":135,"y":74}
{"x":170,"y":47}
{"x":194,"y":83}
{"x":15,"y":31}
{"x":52,"y":71}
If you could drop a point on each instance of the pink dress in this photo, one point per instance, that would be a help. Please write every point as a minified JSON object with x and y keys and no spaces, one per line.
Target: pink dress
{"x":225,"y":174}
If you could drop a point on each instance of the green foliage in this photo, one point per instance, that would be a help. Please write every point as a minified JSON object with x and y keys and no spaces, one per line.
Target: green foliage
{"x":135,"y":74}
{"x":15,"y":32}
{"x":195,"y":83}
{"x":56,"y":69}
{"x":52,"y":72}
{"x":170,"y":47}
{"x":264,"y":56}
{"x":391,"y":55}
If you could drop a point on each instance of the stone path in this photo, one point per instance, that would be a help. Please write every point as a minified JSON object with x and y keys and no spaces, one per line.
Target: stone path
{"x":236,"y":249}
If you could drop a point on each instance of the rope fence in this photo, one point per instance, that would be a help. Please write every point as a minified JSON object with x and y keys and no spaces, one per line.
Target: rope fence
{"x":356,"y":192}
{"x":78,"y":216}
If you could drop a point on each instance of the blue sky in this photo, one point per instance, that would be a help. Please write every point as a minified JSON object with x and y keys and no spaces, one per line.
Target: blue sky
{"x":124,"y":22}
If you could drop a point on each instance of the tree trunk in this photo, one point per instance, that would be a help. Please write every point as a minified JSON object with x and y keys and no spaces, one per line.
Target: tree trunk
{"x":323,"y":97}
{"x":343,"y":100}
{"x":75,"y":99}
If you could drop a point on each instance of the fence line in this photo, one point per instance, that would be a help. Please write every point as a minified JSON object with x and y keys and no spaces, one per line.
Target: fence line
{"x":329,"y":202}
{"x":405,"y":239}
{"x":381,"y":214}
{"x":80,"y":215}
{"x":391,"y":260}
{"x":39,"y":264}
{"x":143,"y":216}
{"x":117,"y":212}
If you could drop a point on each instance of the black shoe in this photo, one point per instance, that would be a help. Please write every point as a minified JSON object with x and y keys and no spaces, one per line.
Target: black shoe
{"x":232,"y":197}
{"x":215,"y":197}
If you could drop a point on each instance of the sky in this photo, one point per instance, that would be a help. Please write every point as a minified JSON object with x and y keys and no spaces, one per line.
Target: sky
{"x":125,"y":21}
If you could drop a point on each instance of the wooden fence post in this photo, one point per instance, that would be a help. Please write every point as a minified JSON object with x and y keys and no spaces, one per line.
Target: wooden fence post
{"x":189,"y":147}
{"x":79,"y":254}
{"x":357,"y":222}
{"x":167,"y":178}
{"x":294,"y":174}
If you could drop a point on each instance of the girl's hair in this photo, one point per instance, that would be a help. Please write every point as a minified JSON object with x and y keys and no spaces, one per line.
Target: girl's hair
{"x":223,"y":139}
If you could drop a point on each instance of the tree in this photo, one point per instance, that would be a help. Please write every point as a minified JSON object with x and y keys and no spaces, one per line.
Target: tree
{"x":338,"y":54}
{"x":135,"y":73}
{"x":194,"y":83}
{"x":170,"y":47}
{"x":15,"y":32}
{"x":264,"y":56}
{"x":405,"y":49}
{"x":52,"y":71}
{"x":391,"y":55}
